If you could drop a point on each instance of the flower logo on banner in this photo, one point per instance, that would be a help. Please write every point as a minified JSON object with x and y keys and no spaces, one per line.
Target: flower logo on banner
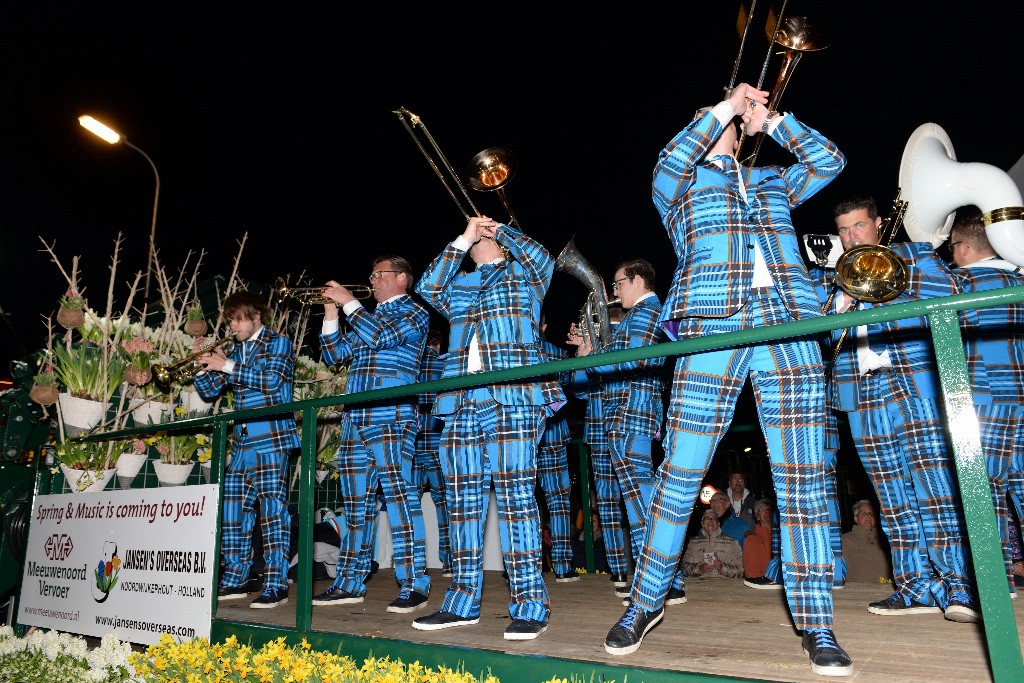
{"x":106,"y":572}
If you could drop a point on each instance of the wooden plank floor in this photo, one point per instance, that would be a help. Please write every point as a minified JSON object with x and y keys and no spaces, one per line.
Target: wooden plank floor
{"x":724,"y":628}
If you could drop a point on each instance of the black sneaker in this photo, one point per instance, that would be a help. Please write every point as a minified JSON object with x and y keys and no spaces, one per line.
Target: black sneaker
{"x":336,"y":596}
{"x":626,"y":636}
{"x":407,"y":601}
{"x":827,"y":658}
{"x":271,"y":597}
{"x":675,"y":596}
{"x":525,"y":629}
{"x":568,"y":576}
{"x":441,"y":619}
{"x":763,"y":583}
{"x":619,"y":580}
{"x":231,"y":593}
{"x":962,"y":608}
{"x":897,"y":604}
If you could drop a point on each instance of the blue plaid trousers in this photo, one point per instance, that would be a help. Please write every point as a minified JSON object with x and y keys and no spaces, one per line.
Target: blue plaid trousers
{"x":368,"y":455}
{"x":608,"y":497}
{"x":553,"y":478}
{"x":256,"y":475}
{"x":426,"y":467}
{"x":484,"y":441}
{"x":903,"y":447}
{"x":789,"y":389}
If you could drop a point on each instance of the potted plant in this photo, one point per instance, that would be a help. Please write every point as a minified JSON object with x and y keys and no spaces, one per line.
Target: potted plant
{"x":134,"y":454}
{"x":195,"y":323}
{"x":71,"y":314}
{"x":90,"y":378}
{"x":138,"y":370}
{"x":176,"y":456}
{"x":44,"y":389}
{"x":87,"y":465}
{"x":328,"y":440}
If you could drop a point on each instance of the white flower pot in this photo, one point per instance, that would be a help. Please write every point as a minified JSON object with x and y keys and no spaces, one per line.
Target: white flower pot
{"x":193,"y":403}
{"x":81,"y":413}
{"x":150,"y":412}
{"x":321,"y":475}
{"x":206,"y":468}
{"x":87,"y":481}
{"x":172,"y":475}
{"x":128,"y":466}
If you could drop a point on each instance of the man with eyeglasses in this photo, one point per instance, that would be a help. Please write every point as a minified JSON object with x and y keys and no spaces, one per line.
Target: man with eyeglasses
{"x":631,"y":399}
{"x":491,"y":432}
{"x":886,"y":381}
{"x":383,"y":349}
{"x":740,"y":267}
{"x":994,"y":344}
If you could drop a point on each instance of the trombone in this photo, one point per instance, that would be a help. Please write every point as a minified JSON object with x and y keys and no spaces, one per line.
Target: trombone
{"x":165,"y":376}
{"x":795,"y":36}
{"x":489,"y":171}
{"x":307,"y":296}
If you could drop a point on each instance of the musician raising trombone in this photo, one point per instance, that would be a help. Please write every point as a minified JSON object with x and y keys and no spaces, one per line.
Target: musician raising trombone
{"x":259,"y":371}
{"x":740,"y":266}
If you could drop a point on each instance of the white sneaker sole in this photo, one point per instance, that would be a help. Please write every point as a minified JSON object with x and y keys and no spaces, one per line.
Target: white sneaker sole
{"x":342,"y":601}
{"x":270,"y":605}
{"x":569,"y":579}
{"x":451,"y":624}
{"x":524,"y":636}
{"x":904,"y":611}
{"x":962,"y":615}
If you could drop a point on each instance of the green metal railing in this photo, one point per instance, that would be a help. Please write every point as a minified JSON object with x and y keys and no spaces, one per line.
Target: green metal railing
{"x":1000,"y":628}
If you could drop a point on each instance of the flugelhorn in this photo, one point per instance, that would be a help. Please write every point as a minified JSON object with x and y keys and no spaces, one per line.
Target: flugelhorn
{"x":307,"y":296}
{"x":594,"y":322}
{"x":489,"y":171}
{"x":165,"y":376}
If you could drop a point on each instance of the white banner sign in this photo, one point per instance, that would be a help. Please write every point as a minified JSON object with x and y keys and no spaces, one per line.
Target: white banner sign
{"x":135,"y":563}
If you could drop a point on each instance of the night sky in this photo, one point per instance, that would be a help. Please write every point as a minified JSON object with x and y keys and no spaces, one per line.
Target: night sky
{"x":277,"y":122}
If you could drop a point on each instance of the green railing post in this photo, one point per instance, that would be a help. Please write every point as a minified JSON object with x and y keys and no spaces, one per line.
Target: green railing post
{"x":976,"y":495}
{"x":588,"y":526}
{"x":217,"y":460}
{"x":307,"y":465}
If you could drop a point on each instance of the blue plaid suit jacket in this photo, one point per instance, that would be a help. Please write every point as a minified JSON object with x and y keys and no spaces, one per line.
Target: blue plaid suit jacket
{"x":556,"y":429}
{"x":384,"y":348}
{"x":994,"y":337}
{"x":431,"y":367}
{"x":262,"y":376}
{"x":632,"y":391}
{"x":499,"y":304}
{"x":713,"y":230}
{"x":909,"y":342}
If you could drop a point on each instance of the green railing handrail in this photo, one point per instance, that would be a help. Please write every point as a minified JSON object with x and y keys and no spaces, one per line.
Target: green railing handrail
{"x":982,"y":529}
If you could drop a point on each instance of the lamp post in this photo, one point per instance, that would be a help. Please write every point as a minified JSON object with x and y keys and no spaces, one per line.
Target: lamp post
{"x":113,"y":137}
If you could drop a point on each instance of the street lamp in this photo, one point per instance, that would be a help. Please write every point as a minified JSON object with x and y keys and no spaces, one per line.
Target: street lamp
{"x":113,"y":137}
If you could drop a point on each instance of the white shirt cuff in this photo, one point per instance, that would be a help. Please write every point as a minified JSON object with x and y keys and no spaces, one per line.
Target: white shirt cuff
{"x":723,"y":112}
{"x":351,"y":306}
{"x":330,"y":326}
{"x":461,"y":243}
{"x":229,"y":366}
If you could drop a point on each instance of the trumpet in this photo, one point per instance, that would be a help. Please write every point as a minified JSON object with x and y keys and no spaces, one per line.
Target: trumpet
{"x":307,"y":296}
{"x":165,"y":376}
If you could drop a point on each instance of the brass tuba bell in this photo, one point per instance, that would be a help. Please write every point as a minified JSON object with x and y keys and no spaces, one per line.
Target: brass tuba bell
{"x":872,"y":273}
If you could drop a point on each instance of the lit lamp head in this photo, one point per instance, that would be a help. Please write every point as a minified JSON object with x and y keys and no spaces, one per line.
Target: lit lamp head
{"x":100,"y":130}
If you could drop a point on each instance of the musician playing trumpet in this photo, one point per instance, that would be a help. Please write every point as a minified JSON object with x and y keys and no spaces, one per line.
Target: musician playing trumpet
{"x":259,"y":371}
{"x":740,"y":266}
{"x":378,"y":440}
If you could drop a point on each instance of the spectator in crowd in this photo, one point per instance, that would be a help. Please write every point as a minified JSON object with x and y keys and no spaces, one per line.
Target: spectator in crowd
{"x":712,"y":553}
{"x":732,"y":526}
{"x":866,"y":552}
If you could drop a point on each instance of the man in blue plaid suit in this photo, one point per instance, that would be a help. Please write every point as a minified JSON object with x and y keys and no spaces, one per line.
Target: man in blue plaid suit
{"x":994,"y":343}
{"x":553,"y":477}
{"x":426,"y":466}
{"x":259,"y":372}
{"x":885,"y":380}
{"x":491,"y":432}
{"x":378,"y":439}
{"x":631,"y":399}
{"x":739,"y":267}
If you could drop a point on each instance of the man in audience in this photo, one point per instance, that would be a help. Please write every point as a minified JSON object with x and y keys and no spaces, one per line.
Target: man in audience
{"x":866,"y":552}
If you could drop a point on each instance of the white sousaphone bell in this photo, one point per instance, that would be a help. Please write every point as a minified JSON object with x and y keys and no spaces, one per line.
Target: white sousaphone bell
{"x":936,"y":185}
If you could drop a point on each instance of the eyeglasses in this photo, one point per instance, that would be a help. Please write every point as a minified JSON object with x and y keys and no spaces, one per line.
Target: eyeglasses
{"x":376,"y":275}
{"x":615,"y":283}
{"x":952,"y":245}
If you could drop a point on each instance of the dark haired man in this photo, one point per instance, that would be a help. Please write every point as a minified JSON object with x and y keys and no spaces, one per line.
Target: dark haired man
{"x":377,"y":445}
{"x":886,"y":381}
{"x":740,"y":267}
{"x":259,"y":372}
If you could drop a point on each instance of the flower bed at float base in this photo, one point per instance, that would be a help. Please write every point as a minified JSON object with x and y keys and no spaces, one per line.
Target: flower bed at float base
{"x":52,"y":657}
